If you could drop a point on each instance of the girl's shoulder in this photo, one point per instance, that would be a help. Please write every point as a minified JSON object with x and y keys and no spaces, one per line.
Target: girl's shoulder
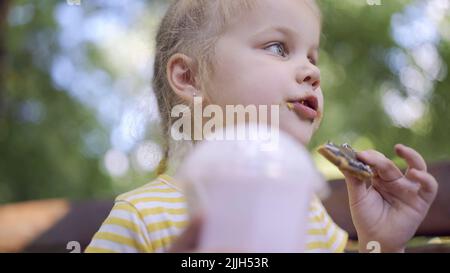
{"x":145,"y":219}
{"x":160,"y":192}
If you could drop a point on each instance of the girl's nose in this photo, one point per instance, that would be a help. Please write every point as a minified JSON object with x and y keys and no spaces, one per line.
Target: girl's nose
{"x":309,"y":73}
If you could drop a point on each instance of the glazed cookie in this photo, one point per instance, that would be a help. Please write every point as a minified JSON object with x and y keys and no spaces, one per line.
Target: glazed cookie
{"x":344,"y":157}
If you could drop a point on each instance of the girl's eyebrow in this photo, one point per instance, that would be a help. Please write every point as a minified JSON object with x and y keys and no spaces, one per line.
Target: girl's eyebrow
{"x":282,"y":29}
{"x":285,"y":31}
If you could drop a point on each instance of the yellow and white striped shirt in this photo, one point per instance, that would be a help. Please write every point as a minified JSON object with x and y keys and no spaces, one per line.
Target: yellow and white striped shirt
{"x":149,"y":218}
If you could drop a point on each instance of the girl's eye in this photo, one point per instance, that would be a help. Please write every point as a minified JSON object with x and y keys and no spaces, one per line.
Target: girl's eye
{"x":278,"y":49}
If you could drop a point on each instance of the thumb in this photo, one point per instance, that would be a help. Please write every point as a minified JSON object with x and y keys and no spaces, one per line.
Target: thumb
{"x":356,"y":188}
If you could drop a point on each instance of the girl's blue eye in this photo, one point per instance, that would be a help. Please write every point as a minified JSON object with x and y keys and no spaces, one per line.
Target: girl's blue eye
{"x":278,"y":49}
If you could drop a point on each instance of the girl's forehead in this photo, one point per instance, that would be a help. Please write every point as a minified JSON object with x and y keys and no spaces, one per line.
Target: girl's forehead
{"x":297,"y":17}
{"x":287,"y":7}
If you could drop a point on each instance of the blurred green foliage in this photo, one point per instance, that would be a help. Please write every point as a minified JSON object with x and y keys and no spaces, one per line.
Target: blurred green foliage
{"x":356,"y":39}
{"x":41,"y":128}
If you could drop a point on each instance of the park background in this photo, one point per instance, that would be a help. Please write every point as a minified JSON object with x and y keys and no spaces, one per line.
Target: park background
{"x":78,"y":119}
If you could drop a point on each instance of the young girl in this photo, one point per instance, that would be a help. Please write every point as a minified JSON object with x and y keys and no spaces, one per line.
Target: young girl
{"x":257,"y":52}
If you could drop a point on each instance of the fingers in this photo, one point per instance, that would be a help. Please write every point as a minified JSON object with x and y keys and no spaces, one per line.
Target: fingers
{"x":411,"y":156}
{"x":428,"y":183}
{"x":356,"y":188}
{"x":385,"y":168}
{"x":188,"y":240}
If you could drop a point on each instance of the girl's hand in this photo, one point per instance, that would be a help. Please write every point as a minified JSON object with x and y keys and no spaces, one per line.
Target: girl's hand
{"x":391,"y":209}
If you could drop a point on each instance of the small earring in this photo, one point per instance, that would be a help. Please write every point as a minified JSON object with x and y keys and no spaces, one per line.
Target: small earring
{"x":194,"y":94}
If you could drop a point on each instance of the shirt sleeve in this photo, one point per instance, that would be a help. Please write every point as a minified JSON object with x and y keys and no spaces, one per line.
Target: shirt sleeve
{"x":335,"y":237}
{"x":123,"y":231}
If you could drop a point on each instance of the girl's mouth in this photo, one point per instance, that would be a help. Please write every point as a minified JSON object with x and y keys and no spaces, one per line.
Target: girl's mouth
{"x":306,"y":108}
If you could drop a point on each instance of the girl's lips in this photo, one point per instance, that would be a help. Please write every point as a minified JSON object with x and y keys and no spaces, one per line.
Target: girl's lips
{"x":303,"y":110}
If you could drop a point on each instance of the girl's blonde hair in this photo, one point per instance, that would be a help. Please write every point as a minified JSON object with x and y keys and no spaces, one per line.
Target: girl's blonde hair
{"x":190,"y":27}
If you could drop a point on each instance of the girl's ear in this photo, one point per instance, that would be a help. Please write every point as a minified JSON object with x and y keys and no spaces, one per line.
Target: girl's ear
{"x":181,"y":72}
